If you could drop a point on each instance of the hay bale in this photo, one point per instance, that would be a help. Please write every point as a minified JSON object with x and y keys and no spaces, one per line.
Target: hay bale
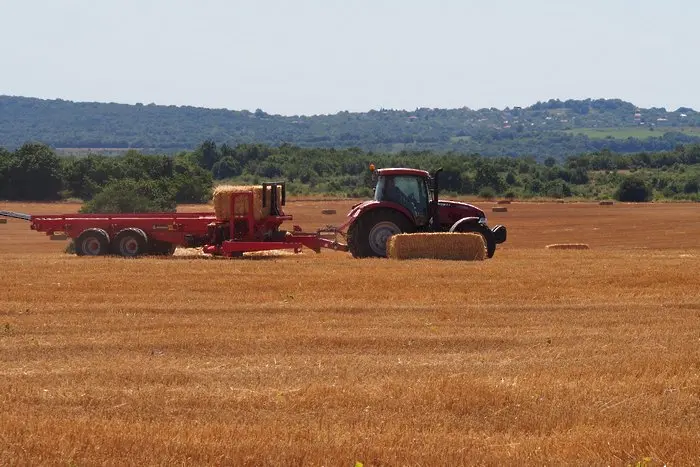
{"x":328,"y":211}
{"x":504,"y":201}
{"x":437,"y":245}
{"x":606,"y":203}
{"x":568,"y":246}
{"x":222,"y":201}
{"x":499,"y":209}
{"x":3,"y":220}
{"x":560,"y":201}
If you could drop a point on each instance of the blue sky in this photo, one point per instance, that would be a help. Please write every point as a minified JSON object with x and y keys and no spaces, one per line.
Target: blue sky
{"x":324,"y":56}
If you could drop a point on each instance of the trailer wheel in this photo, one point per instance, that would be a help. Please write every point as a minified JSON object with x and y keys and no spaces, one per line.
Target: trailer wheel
{"x":158,"y":248}
{"x":130,"y":243}
{"x":92,"y":242}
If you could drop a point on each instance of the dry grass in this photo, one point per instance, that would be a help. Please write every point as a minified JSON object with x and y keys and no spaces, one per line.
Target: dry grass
{"x":529,"y":358}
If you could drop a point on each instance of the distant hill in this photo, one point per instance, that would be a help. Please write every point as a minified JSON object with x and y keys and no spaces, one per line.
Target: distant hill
{"x":553,"y":128}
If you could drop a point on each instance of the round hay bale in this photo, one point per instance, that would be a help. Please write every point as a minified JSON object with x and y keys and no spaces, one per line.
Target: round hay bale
{"x":468,"y":246}
{"x":568,"y":246}
{"x":328,"y":211}
{"x":499,"y":209}
{"x":503,"y":201}
{"x":606,"y":203}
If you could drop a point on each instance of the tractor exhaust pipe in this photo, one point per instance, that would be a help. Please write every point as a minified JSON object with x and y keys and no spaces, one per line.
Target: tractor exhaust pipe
{"x":436,"y":210}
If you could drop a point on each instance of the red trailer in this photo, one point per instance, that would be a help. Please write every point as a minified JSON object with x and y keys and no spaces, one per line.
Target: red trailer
{"x":160,"y":233}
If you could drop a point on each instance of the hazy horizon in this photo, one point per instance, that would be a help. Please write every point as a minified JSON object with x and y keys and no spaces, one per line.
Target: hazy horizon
{"x":315,"y":57}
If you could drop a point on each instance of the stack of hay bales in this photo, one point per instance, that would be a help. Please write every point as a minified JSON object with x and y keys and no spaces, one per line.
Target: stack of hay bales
{"x":222,"y":201}
{"x":437,"y":245}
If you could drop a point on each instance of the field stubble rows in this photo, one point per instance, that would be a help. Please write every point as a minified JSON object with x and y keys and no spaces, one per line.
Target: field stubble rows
{"x":535,"y":356}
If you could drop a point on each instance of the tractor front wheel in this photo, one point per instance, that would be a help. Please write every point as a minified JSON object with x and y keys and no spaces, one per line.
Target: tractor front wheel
{"x":488,"y":235}
{"x":368,"y":235}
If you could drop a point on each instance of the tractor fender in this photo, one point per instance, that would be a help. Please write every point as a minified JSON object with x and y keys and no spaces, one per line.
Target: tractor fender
{"x":367,"y":206}
{"x":463,"y":221}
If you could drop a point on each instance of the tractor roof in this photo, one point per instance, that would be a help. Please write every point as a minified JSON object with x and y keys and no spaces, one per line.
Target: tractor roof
{"x":401,"y":171}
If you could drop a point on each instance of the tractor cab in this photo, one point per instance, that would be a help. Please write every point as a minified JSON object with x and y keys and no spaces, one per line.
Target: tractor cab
{"x":408,"y":187}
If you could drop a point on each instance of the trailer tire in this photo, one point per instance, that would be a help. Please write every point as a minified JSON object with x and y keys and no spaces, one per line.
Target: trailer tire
{"x":130,"y":242}
{"x":158,"y":248}
{"x":92,"y":242}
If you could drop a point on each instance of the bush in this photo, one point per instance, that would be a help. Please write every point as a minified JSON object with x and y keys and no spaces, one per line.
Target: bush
{"x":634,"y":189}
{"x":131,"y":196}
{"x":558,"y":189}
{"x":487,"y":193}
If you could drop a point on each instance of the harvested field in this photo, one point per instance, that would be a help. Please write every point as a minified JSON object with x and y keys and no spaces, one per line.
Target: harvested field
{"x":533,"y":357}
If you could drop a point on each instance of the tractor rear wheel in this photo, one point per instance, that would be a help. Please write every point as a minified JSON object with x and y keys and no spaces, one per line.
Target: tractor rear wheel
{"x":130,"y":243}
{"x":368,"y":235}
{"x":92,"y":242}
{"x":489,"y":237}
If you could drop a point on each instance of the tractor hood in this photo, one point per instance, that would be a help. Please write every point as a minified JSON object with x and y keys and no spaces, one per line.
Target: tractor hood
{"x":464,"y":209}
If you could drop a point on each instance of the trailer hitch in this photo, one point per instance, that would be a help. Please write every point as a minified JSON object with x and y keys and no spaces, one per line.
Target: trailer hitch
{"x":16,"y":215}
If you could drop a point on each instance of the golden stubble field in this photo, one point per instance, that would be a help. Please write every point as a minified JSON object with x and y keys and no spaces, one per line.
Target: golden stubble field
{"x":534,"y":357}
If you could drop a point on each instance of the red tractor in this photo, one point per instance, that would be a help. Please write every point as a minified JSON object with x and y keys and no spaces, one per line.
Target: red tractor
{"x":406,"y":201}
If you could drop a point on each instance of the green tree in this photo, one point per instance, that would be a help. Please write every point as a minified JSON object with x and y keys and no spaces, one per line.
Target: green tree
{"x":226,"y":167}
{"x":132,"y":196}
{"x":34,"y":173}
{"x":190,"y":184}
{"x":487,"y":176}
{"x":634,"y":189}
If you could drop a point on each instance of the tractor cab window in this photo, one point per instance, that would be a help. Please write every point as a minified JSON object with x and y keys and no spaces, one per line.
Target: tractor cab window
{"x":406,"y":190}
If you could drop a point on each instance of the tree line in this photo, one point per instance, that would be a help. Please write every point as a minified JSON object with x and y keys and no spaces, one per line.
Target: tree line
{"x":543,"y":129}
{"x":158,"y":182}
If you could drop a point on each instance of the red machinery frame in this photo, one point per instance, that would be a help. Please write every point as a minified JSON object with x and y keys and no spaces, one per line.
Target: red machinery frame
{"x":194,"y":229}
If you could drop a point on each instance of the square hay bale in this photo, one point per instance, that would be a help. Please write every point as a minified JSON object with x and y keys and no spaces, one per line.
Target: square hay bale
{"x":437,"y":245}
{"x":606,"y":203}
{"x":503,"y":201}
{"x":568,"y":246}
{"x":222,"y":201}
{"x":499,"y":209}
{"x":3,"y":220}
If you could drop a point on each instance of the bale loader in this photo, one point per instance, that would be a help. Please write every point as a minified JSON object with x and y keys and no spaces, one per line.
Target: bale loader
{"x":405,"y":201}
